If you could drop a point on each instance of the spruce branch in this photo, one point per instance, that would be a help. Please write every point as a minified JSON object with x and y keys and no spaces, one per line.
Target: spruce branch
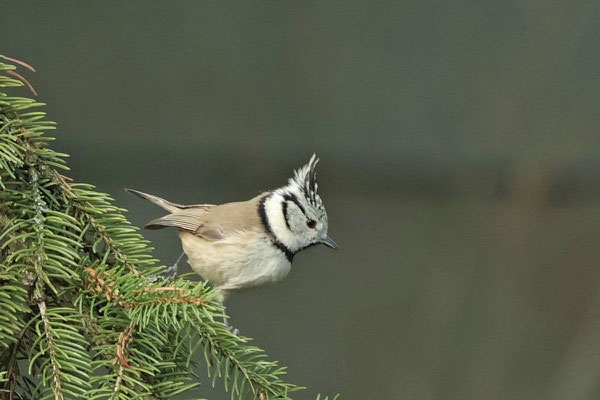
{"x":79,"y":294}
{"x":81,"y":199}
{"x":51,"y":345}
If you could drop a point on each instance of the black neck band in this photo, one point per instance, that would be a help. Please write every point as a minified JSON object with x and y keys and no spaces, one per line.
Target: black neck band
{"x":262,"y":211}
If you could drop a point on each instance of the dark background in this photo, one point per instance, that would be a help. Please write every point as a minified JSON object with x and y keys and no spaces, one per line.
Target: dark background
{"x":459,"y":145}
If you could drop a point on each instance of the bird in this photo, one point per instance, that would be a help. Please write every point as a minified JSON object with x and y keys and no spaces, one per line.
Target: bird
{"x":245,"y":245}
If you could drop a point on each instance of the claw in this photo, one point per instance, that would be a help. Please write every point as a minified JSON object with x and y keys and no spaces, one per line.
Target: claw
{"x":230,"y":328}
{"x":233,"y":330}
{"x":171,"y":272}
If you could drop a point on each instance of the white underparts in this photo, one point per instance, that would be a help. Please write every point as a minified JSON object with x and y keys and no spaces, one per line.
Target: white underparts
{"x":238,"y":262}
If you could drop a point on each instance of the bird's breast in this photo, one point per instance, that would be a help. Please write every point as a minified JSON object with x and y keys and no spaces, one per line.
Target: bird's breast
{"x":238,"y":262}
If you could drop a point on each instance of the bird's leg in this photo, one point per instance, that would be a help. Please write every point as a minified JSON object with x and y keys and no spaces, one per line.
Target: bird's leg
{"x":171,"y":272}
{"x":230,"y":328}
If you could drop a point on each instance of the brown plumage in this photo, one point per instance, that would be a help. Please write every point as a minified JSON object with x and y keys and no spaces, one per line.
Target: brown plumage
{"x":211,"y":222}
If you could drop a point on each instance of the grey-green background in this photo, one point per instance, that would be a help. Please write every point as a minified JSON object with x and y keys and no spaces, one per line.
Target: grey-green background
{"x":460,"y":166}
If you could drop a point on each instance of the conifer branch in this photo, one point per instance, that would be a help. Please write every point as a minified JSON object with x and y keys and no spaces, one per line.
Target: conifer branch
{"x":49,"y":336}
{"x":80,"y":297}
{"x":122,"y":342}
{"x":102,"y":284}
{"x":84,"y":208}
{"x":39,"y":295}
{"x":118,"y":381}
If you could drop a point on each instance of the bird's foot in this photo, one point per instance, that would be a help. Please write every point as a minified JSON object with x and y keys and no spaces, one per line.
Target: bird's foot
{"x":230,"y":328}
{"x":171,"y":272}
{"x":233,"y":330}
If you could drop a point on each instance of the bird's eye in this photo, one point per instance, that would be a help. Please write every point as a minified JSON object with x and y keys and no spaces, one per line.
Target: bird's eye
{"x":311,"y":223}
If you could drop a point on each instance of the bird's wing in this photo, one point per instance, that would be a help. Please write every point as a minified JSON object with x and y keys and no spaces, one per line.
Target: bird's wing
{"x":215,"y":223}
{"x":188,"y":219}
{"x":230,"y":219}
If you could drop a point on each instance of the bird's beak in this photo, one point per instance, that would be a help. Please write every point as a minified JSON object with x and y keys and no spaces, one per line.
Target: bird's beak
{"x":327,"y":241}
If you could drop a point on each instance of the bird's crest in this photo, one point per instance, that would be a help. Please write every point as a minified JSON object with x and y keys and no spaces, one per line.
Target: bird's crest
{"x":306,"y":179}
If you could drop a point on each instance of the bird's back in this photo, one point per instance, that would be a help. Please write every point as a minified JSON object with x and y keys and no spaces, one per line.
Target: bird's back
{"x":214,"y":222}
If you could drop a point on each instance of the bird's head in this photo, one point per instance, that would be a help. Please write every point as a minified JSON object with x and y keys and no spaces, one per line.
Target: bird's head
{"x":296,"y":212}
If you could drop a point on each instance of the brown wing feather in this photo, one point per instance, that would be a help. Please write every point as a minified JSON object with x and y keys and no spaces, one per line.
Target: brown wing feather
{"x":188,"y":219}
{"x":216,"y":222}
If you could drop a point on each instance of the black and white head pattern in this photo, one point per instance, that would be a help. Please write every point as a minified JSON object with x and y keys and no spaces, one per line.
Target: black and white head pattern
{"x":295,"y":213}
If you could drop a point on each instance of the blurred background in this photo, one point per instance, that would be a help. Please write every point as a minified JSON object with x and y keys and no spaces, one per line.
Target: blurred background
{"x":460,"y":166}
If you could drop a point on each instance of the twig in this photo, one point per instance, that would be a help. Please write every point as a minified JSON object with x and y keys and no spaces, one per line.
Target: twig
{"x":122,"y":342}
{"x":22,"y":79}
{"x":51,"y":346}
{"x":22,"y":63}
{"x":100,"y":283}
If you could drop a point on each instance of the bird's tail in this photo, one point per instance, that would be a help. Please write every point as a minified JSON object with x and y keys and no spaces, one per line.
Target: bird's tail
{"x":167,"y":205}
